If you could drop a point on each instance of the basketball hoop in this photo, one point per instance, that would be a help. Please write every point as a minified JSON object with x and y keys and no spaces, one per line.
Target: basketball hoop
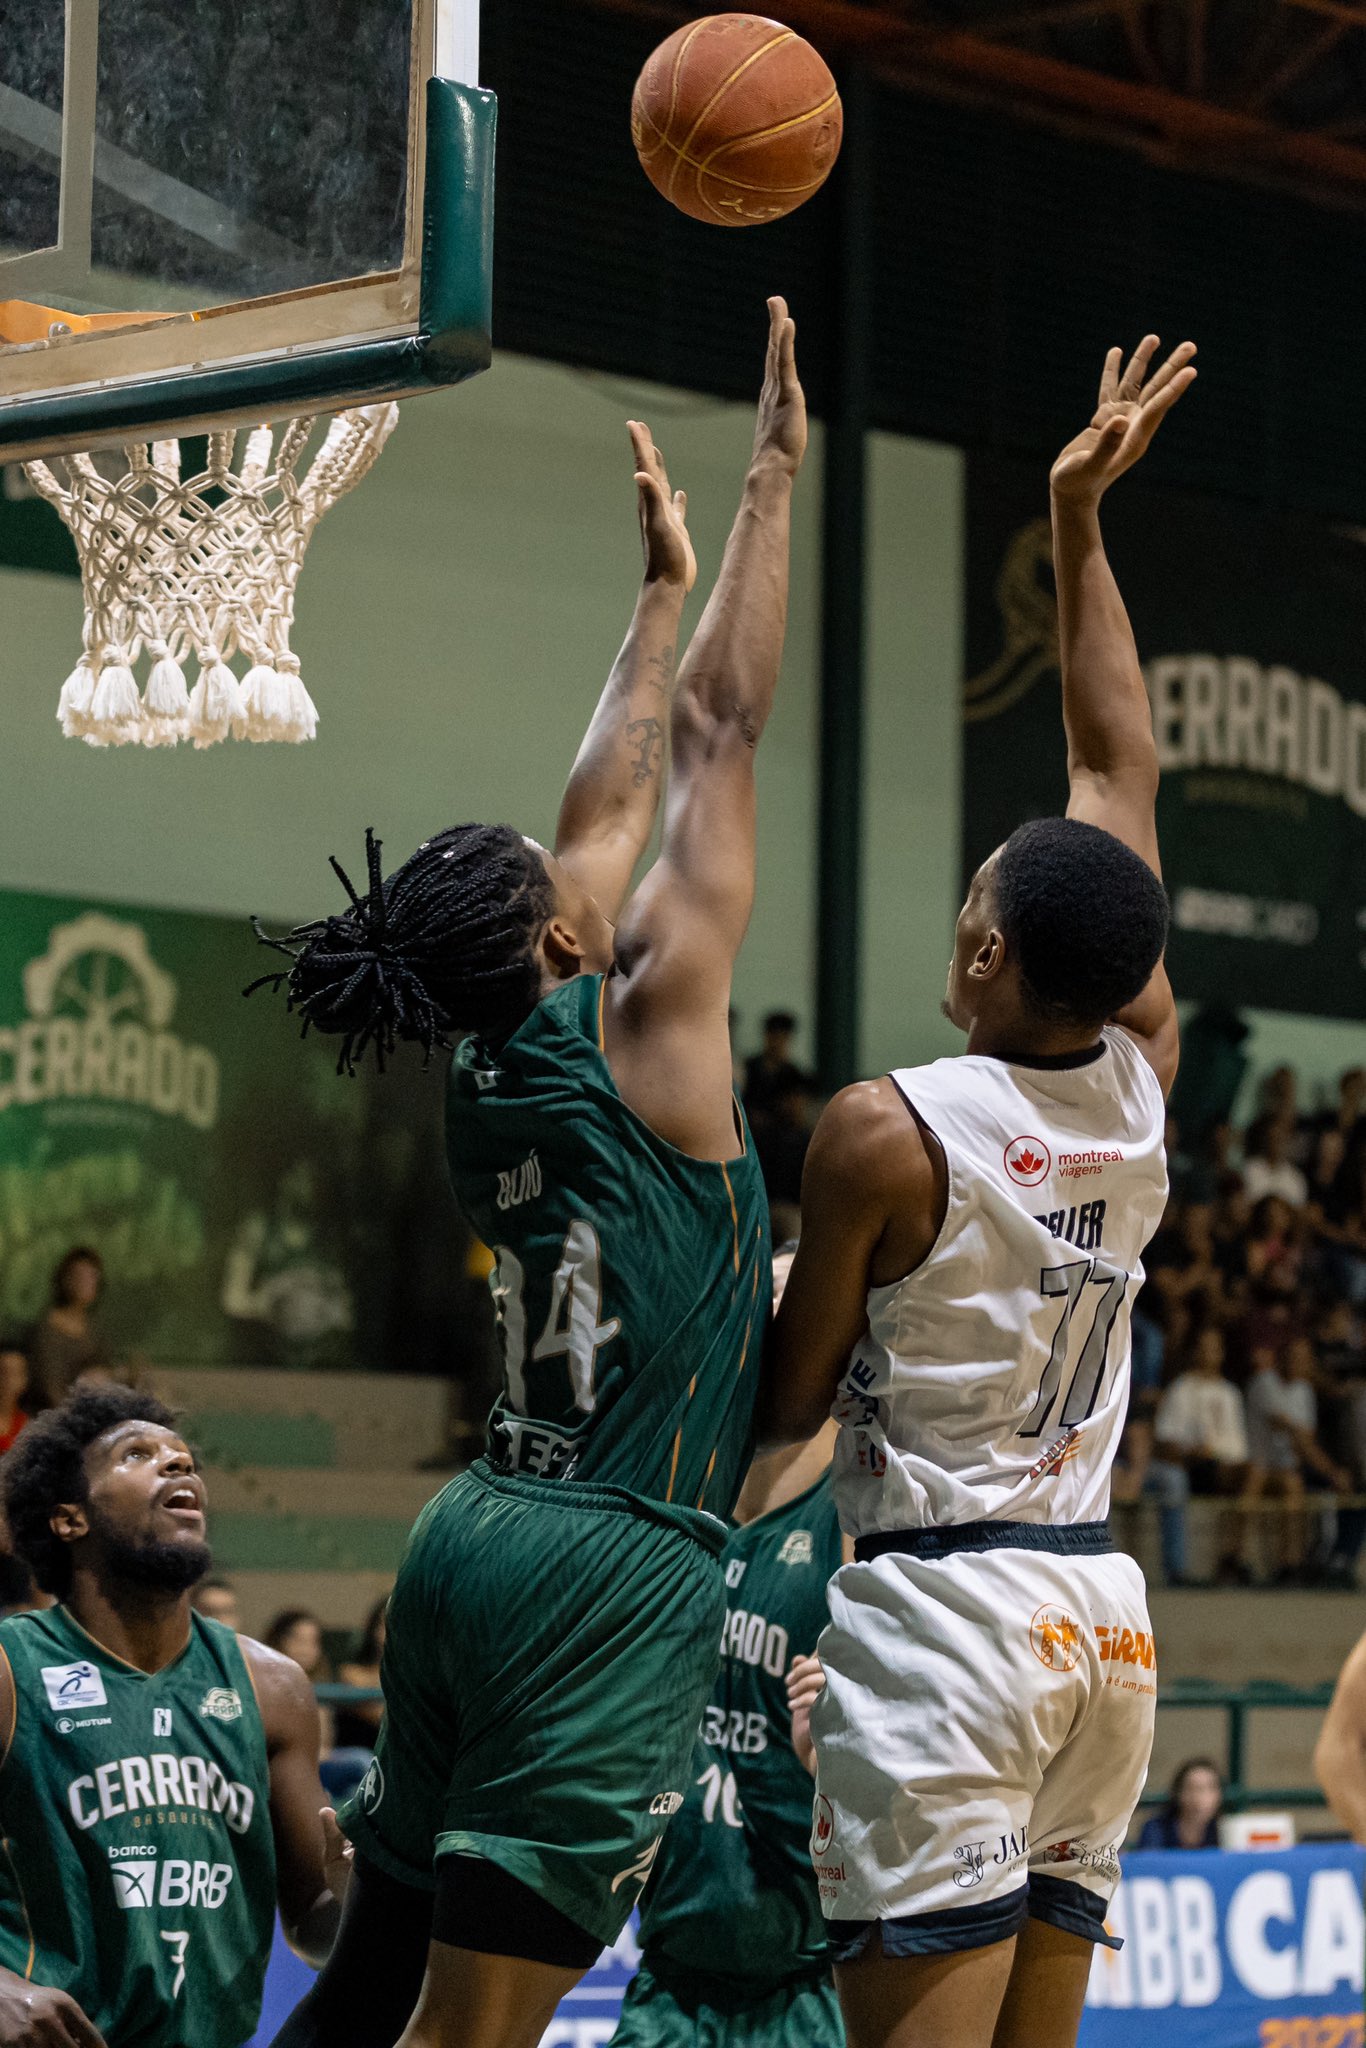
{"x":205,"y":564}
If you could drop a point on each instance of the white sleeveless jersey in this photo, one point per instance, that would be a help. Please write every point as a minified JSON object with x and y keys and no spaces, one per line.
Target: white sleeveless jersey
{"x":994,"y":1380}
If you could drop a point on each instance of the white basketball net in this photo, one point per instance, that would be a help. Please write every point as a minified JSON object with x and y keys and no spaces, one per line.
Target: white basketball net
{"x":206,"y":564}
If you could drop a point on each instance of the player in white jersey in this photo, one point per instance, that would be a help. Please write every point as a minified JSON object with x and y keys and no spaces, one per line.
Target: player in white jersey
{"x":971,"y":1246}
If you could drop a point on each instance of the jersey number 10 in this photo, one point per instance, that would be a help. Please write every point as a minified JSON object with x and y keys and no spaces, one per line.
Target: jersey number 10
{"x":1069,"y":1284}
{"x":572,"y":1328}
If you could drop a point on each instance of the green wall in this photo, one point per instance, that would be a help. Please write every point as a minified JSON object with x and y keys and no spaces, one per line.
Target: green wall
{"x":457,"y":615}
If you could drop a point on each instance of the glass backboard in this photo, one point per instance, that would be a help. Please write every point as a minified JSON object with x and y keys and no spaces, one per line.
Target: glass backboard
{"x":229,"y":212}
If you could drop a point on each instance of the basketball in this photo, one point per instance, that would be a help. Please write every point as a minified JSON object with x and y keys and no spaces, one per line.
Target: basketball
{"x":736,"y":120}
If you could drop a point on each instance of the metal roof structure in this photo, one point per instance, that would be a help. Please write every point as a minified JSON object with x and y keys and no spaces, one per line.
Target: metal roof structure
{"x":1268,"y":90}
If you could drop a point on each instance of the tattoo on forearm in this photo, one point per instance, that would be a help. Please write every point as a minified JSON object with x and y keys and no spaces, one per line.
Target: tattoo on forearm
{"x":663,"y":666}
{"x":646,"y":735}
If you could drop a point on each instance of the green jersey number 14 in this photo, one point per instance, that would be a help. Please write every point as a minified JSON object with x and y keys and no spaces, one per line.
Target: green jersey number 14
{"x":573,"y":1326}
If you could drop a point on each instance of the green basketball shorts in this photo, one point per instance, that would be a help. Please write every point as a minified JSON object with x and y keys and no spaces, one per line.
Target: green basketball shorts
{"x":550,"y":1650}
{"x":803,"y":2014}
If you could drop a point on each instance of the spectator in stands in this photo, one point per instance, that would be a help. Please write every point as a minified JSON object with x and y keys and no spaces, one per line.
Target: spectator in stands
{"x":298,"y":1634}
{"x":1327,"y":1158}
{"x":1185,"y":1267}
{"x":1275,"y":1249}
{"x":1201,"y":1434}
{"x":1282,"y":1427}
{"x":782,"y":1139}
{"x":1268,"y":1168}
{"x":14,"y":1378}
{"x":1138,"y":1473}
{"x":1228,"y":1227}
{"x":1341,"y":1228}
{"x":66,"y":1342}
{"x":771,"y":1073}
{"x":1190,"y":1818}
{"x":217,"y":1599}
{"x":357,"y":1726}
{"x":1347,"y":1114}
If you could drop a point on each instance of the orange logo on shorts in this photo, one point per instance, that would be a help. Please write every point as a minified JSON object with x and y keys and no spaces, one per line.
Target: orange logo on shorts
{"x":1125,"y":1645}
{"x":1055,"y":1639}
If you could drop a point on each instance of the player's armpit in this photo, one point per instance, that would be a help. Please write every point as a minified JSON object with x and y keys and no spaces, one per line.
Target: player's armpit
{"x":1340,"y":1754}
{"x":873,"y":1195}
{"x":309,"y":1913}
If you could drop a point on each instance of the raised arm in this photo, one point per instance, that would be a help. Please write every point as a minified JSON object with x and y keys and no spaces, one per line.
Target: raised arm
{"x":667,"y":1038}
{"x":609,"y":805}
{"x":1111,"y":755}
{"x":1340,"y":1754}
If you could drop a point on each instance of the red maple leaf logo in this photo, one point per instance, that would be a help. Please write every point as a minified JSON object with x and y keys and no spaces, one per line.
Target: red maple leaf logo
{"x":1028,"y":1160}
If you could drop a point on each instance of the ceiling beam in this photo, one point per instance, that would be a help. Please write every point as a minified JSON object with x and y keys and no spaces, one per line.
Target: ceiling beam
{"x":1053,"y":14}
{"x":1228,"y":142}
{"x":1266,"y":90}
{"x":1135,"y":19}
{"x":1352,"y":12}
{"x":1196,"y":16}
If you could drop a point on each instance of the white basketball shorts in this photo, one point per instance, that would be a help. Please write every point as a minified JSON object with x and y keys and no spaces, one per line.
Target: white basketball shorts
{"x":982,"y":1742}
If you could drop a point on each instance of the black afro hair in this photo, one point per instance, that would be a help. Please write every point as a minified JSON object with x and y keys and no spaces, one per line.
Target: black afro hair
{"x":1085,"y":917}
{"x":47,"y":1466}
{"x":447,"y":943}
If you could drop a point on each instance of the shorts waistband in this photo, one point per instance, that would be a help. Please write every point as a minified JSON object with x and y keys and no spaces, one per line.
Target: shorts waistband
{"x":610,"y":1500}
{"x":1065,"y":1539}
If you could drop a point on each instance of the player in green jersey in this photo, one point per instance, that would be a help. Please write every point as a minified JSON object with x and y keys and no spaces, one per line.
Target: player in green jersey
{"x":732,"y":1936}
{"x":553,"y":1633}
{"x":159,"y":1786}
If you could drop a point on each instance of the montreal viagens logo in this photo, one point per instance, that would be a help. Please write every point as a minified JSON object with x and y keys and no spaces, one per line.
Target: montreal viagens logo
{"x":98,"y":1029}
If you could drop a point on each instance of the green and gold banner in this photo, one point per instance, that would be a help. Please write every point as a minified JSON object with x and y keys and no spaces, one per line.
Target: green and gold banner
{"x":1252,"y":633}
{"x":250,"y":1205}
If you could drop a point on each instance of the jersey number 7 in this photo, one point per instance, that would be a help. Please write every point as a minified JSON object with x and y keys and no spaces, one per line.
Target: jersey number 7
{"x":1069,"y":1284}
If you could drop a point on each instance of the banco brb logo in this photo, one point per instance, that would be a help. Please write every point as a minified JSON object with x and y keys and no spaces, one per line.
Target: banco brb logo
{"x":98,"y":1028}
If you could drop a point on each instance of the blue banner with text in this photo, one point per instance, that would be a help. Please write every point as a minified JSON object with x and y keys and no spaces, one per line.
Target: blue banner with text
{"x":1256,"y":1950}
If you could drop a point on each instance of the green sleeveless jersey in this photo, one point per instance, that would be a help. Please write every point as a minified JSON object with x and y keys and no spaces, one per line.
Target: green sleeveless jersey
{"x":732,"y":1896}
{"x":632,"y":1283}
{"x":137,"y":1866}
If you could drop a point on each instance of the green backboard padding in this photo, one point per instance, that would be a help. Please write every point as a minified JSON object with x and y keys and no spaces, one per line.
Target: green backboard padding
{"x":452,"y":341}
{"x":306,"y":1543}
{"x":235,"y":1440}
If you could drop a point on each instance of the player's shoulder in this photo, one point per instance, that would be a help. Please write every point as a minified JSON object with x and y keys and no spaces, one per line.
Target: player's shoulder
{"x":1133,"y":1070}
{"x":869,"y":1138}
{"x":282,"y":1688}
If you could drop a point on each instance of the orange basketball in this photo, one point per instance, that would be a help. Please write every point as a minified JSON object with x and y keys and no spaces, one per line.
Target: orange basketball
{"x":736,"y":120}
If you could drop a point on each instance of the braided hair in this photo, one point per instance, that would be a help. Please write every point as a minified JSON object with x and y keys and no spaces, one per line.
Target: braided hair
{"x":446,"y":944}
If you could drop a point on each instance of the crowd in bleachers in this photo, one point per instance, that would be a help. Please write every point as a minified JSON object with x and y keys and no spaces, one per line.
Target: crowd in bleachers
{"x":1249,"y":1356}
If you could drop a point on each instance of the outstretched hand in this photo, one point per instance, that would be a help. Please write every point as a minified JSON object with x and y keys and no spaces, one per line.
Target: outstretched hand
{"x":1128,"y":414}
{"x":669,"y":556}
{"x":780,"y":433}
